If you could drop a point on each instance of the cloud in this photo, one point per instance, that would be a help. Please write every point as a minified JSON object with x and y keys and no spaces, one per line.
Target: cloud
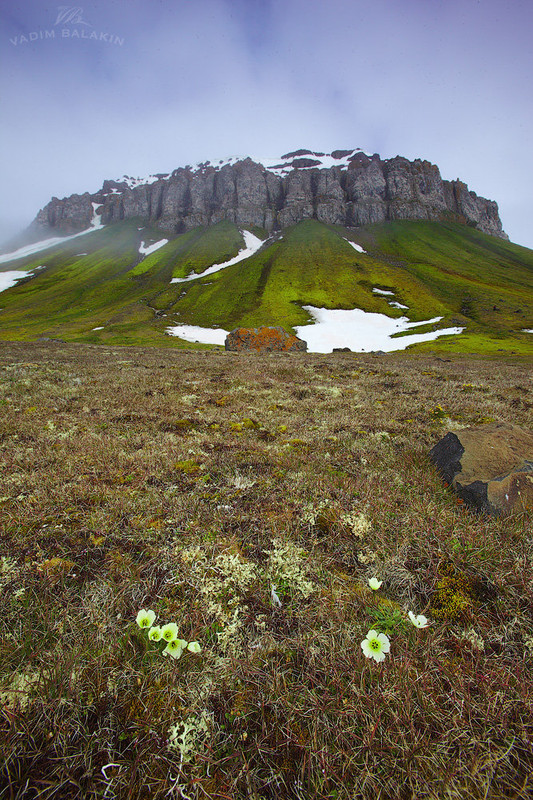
{"x":192,"y":81}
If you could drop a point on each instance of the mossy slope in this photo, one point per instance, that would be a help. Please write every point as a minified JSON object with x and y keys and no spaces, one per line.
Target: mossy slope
{"x":101,"y":281}
{"x":447,"y":270}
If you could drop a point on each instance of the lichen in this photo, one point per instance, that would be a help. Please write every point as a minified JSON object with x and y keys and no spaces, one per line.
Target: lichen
{"x":188,"y":735}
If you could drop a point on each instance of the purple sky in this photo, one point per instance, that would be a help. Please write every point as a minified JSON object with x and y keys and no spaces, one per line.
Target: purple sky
{"x":190,"y":80}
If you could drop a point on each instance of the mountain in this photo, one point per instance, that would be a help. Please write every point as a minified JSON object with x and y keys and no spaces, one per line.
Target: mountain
{"x":346,"y":187}
{"x":344,"y":249}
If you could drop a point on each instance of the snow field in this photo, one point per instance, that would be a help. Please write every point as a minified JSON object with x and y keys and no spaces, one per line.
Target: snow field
{"x":251,"y":245}
{"x":46,"y":244}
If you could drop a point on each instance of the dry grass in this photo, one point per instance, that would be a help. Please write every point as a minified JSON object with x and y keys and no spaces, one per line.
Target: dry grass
{"x":188,"y":483}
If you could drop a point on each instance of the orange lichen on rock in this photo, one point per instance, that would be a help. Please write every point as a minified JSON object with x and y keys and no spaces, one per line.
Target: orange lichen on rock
{"x":264,"y":339}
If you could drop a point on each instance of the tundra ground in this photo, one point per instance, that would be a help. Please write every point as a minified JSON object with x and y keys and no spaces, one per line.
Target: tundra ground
{"x":207,"y":486}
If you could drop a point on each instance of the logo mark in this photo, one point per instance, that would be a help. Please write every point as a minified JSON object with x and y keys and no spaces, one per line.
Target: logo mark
{"x":70,"y":15}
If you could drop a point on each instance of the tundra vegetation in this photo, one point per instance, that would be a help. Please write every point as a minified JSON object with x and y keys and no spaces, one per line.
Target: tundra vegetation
{"x":248,"y":500}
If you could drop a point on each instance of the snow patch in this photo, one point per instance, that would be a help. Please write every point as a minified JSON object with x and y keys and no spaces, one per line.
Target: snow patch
{"x":282,"y":166}
{"x":146,"y":250}
{"x":100,"y":328}
{"x":527,"y":330}
{"x":356,"y":329}
{"x":279,"y":166}
{"x":192,"y":333}
{"x":387,"y":293}
{"x":96,"y":221}
{"x":9,"y":279}
{"x":132,"y":183}
{"x":355,"y":245}
{"x":46,"y":244}
{"x":362,"y":331}
{"x":251,"y":245}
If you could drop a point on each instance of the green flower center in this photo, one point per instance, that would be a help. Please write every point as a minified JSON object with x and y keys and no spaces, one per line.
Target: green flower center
{"x":374,"y":644}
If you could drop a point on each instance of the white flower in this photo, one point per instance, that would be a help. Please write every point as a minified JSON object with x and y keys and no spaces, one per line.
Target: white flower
{"x":145,"y":618}
{"x":274,"y":597}
{"x":169,"y":632}
{"x":173,"y":648}
{"x":374,"y":584}
{"x":375,"y":645}
{"x":420,"y":621}
{"x":193,"y":647}
{"x":154,"y":634}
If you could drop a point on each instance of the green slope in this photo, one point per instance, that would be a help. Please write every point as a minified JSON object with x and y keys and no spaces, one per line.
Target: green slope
{"x":310,"y":265}
{"x":485,"y":283}
{"x":110,"y":286}
{"x":446,"y":270}
{"x":452,"y":271}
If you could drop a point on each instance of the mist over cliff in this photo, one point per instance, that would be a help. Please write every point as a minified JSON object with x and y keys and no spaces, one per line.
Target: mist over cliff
{"x":346,"y":187}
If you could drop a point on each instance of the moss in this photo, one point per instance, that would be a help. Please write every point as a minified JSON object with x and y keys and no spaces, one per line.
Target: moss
{"x":181,"y":426}
{"x":455,"y":595}
{"x":187,"y":466}
{"x":55,"y":569}
{"x":250,"y":424}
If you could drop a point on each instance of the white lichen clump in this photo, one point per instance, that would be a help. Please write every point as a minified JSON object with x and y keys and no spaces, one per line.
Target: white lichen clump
{"x":311,"y":513}
{"x":286,"y":566}
{"x":19,"y":689}
{"x":222,"y":585}
{"x":474,"y":638}
{"x":188,"y":735}
{"x":359,"y":524}
{"x":8,"y":569}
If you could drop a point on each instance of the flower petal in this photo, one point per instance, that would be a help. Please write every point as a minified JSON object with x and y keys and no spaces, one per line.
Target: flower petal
{"x":419,"y":621}
{"x":154,"y":634}
{"x":145,"y":618}
{"x":169,"y":631}
{"x":365,"y":647}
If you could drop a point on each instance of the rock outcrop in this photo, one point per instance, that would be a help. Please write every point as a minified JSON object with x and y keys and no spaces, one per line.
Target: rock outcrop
{"x":490,"y":467}
{"x":347,"y":188}
{"x":264,"y":340}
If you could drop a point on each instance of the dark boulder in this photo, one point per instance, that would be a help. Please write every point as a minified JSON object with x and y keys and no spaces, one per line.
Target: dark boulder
{"x":490,"y":467}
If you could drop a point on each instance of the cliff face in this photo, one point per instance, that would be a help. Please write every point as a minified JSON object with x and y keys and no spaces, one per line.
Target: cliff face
{"x":348,"y":188}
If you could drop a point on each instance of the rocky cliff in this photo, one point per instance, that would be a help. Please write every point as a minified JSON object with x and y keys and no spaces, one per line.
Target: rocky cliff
{"x":346,"y":187}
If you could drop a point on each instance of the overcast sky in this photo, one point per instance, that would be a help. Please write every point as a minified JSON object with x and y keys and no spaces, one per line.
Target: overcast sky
{"x":134,"y":87}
